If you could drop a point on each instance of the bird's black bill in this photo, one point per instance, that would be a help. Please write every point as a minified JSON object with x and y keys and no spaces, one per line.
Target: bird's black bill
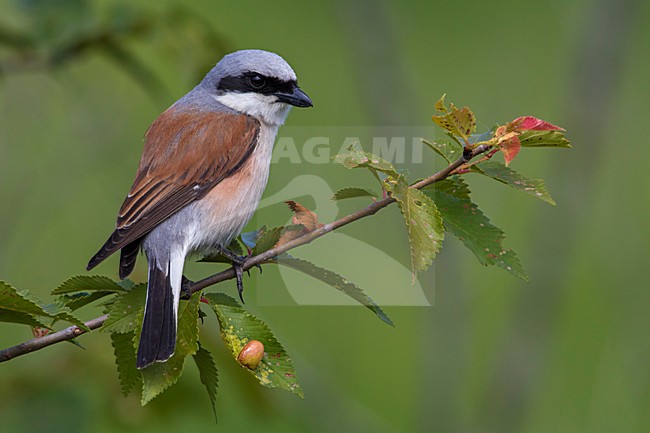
{"x":297,"y":98}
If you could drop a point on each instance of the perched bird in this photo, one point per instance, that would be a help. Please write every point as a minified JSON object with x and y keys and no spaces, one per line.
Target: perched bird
{"x":202,"y":172}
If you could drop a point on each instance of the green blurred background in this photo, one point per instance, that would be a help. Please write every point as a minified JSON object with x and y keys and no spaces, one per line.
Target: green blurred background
{"x":567,"y":352}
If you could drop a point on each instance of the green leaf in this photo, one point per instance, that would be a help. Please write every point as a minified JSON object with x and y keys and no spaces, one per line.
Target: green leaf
{"x":466,"y":221}
{"x":123,"y":313}
{"x":356,"y":158}
{"x":352,"y":193}
{"x":78,"y":300}
{"x":532,"y":138}
{"x":423,"y":223}
{"x":238,"y":327}
{"x":126,"y":284}
{"x":449,"y":150}
{"x":124,"y":350}
{"x":161,"y":375}
{"x":503,"y":174}
{"x":208,"y":374}
{"x":75,"y":342}
{"x":335,"y":280}
{"x":235,"y":247}
{"x":88,"y":283}
{"x":59,"y":312}
{"x":267,"y":240}
{"x":18,"y":306}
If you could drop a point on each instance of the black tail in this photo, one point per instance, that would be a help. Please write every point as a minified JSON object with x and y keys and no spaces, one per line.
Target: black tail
{"x":128,"y":256}
{"x":158,"y":338}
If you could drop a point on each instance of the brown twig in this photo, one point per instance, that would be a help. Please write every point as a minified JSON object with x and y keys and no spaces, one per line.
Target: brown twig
{"x":74,"y":331}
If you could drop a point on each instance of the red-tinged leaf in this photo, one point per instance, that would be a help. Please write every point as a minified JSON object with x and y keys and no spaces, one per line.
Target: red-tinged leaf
{"x":530,"y":123}
{"x":510,"y":146}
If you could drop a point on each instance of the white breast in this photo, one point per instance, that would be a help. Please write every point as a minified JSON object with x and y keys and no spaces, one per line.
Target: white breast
{"x":226,"y":209}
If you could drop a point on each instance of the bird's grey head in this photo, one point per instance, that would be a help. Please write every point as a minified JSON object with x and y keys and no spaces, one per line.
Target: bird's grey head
{"x":258,"y":83}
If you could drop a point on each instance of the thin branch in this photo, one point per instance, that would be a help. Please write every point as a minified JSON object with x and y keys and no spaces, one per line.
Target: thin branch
{"x":74,"y":331}
{"x":56,"y":337}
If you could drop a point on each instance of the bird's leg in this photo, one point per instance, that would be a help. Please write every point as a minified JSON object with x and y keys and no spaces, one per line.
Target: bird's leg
{"x":186,"y":292}
{"x":258,"y":266}
{"x":237,"y":264}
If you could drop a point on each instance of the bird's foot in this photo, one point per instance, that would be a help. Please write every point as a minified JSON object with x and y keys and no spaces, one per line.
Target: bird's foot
{"x":186,"y":289}
{"x":238,"y":265}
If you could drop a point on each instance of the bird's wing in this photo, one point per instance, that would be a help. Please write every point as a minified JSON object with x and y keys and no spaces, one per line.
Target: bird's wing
{"x":186,"y":153}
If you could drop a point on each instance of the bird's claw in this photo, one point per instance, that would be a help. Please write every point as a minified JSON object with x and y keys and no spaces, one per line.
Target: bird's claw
{"x":186,"y":289}
{"x":237,"y":264}
{"x":240,"y":284}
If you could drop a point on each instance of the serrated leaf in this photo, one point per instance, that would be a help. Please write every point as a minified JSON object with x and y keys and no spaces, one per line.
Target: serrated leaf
{"x":126,"y":284}
{"x":335,"y":280}
{"x":457,"y":121}
{"x":128,"y":373}
{"x":88,"y":283}
{"x":161,"y":375}
{"x":235,"y":247}
{"x":543,"y":139}
{"x":356,"y":158}
{"x":78,"y":300}
{"x":18,"y":306}
{"x":423,"y":223}
{"x":449,"y":150}
{"x":440,"y":104}
{"x":124,"y":311}
{"x":510,"y":146}
{"x":238,"y":327}
{"x":291,"y":232}
{"x":267,"y":240}
{"x":503,"y":174}
{"x":530,"y":123}
{"x":345,"y":193}
{"x":208,"y":374}
{"x":59,"y":312}
{"x":466,"y":221}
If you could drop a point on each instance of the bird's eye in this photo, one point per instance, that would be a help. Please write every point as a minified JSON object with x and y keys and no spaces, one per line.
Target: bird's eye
{"x":256,"y":81}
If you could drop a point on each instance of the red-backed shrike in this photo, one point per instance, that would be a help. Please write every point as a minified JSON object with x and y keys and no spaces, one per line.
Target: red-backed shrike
{"x":203,"y":169}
